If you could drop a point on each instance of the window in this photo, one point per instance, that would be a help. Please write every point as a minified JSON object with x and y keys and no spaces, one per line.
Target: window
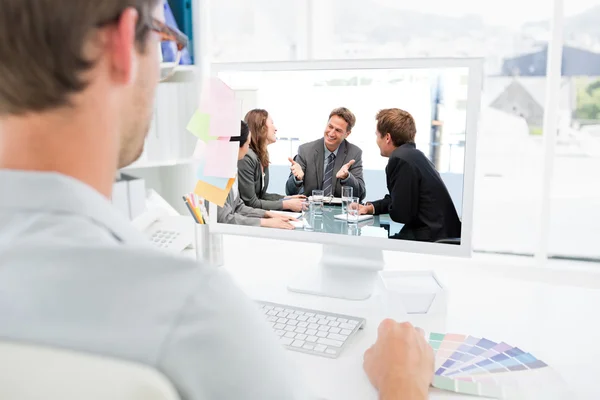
{"x":575,"y":198}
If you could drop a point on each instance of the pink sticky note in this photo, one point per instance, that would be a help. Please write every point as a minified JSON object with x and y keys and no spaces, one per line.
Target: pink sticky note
{"x":221,"y":159}
{"x":200,"y":150}
{"x":218,"y":100}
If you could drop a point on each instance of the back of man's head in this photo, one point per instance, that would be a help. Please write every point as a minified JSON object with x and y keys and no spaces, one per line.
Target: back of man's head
{"x":398,"y":123}
{"x":44,"y":48}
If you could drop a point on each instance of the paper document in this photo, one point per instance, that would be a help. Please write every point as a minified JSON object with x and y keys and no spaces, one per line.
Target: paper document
{"x":289,"y":213}
{"x":344,"y":217}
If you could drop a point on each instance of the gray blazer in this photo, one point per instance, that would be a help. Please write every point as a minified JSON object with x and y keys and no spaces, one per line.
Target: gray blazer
{"x":311,"y":156}
{"x":234,"y":211}
{"x":252,"y":190}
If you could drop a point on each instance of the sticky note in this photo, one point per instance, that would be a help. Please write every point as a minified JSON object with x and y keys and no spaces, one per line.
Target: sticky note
{"x":220,"y":183}
{"x":221,"y":159}
{"x":218,"y":100}
{"x":200,"y":126}
{"x":212,"y":193}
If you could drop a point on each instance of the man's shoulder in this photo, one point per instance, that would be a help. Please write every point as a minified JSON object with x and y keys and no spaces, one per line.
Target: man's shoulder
{"x":310,"y":146}
{"x":353,"y":149}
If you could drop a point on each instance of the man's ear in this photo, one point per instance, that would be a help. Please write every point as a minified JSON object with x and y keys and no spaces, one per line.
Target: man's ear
{"x":348,"y":133}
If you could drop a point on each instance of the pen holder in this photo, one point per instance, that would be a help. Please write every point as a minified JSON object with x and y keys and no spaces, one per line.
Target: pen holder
{"x":209,"y":246}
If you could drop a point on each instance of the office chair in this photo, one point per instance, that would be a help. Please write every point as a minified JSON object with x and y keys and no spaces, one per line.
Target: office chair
{"x":31,"y":372}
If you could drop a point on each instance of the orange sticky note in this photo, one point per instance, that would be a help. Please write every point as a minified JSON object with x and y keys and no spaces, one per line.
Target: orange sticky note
{"x":213,"y":193}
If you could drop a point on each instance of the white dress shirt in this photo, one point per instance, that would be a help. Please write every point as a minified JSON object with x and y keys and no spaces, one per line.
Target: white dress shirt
{"x":75,"y":274}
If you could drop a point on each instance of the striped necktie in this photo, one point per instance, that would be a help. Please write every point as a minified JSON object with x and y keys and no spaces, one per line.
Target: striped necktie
{"x":328,"y":179}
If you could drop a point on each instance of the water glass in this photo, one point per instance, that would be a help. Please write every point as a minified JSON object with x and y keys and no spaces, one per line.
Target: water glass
{"x":353,"y":210}
{"x":307,"y":215}
{"x":317,"y":199}
{"x":347,"y":192}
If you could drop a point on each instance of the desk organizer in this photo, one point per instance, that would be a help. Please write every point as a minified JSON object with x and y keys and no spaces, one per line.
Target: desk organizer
{"x":418,"y":292}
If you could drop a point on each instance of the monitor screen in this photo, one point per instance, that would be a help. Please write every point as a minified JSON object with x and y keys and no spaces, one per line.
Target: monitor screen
{"x":374,"y":150}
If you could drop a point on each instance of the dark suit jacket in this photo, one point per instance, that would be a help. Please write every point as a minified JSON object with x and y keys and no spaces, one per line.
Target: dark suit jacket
{"x":418,"y":198}
{"x":250,"y":184}
{"x":311,"y":156}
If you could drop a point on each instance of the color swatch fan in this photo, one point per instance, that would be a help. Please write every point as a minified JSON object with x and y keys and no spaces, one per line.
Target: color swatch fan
{"x":478,"y":366}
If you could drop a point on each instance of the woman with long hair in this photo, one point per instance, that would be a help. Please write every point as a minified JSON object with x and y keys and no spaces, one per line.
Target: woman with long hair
{"x":253,"y":169}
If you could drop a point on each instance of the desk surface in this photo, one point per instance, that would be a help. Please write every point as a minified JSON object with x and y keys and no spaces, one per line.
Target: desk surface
{"x":327,"y":223}
{"x":557,"y":324}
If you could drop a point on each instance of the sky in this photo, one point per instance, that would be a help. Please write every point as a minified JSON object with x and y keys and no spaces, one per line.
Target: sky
{"x":511,"y":13}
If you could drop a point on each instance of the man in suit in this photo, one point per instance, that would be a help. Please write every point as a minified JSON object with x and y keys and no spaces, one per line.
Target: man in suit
{"x":330,"y":162}
{"x":418,"y":197}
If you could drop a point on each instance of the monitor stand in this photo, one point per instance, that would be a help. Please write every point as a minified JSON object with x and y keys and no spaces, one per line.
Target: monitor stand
{"x":344,"y":272}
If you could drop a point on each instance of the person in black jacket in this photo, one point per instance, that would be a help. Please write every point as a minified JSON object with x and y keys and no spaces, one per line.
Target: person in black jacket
{"x":418,"y":197}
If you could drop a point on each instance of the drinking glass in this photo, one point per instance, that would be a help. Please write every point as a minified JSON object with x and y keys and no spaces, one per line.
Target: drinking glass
{"x":353,"y":210}
{"x":347,"y":192}
{"x":317,"y":199}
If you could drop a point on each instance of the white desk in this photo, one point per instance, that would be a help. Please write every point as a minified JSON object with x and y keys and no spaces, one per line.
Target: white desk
{"x":558,"y":324}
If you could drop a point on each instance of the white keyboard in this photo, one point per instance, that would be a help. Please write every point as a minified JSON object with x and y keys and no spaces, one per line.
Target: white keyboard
{"x":311,"y":331}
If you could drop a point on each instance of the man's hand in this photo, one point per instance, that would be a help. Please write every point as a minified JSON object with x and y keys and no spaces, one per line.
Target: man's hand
{"x":344,"y":171}
{"x":400,"y":364}
{"x":296,"y":169}
{"x":366,"y":209}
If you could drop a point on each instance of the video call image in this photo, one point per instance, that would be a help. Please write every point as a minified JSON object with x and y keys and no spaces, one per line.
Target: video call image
{"x":372,"y":153}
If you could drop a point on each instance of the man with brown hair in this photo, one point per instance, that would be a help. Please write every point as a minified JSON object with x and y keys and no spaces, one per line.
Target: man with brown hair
{"x":76,"y":91}
{"x":330,"y":162}
{"x":418,"y":197}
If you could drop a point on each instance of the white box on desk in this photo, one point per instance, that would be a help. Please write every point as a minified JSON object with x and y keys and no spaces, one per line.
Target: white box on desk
{"x":419,"y":292}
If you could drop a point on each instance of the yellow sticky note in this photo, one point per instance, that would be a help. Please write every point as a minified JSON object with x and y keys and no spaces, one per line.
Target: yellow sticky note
{"x":213,"y":193}
{"x":199,"y":126}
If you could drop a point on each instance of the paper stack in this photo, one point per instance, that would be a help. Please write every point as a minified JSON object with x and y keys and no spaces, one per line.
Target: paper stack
{"x":214,"y":123}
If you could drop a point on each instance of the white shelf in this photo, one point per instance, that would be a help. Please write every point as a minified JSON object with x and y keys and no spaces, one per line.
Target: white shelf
{"x":160,"y":163}
{"x":183,"y":73}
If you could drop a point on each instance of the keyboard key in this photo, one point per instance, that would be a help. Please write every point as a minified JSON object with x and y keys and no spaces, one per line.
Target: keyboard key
{"x":343,"y":320}
{"x":330,"y":342}
{"x":279,"y":326}
{"x":312,"y":320}
{"x":301,"y":337}
{"x":292,"y":323}
{"x":353,"y":322}
{"x":311,"y":332}
{"x":324,"y":328}
{"x":293,"y":316}
{"x":335,"y":336}
{"x":322,"y":334}
{"x":287,"y":310}
{"x":272,"y":319}
{"x":298,"y":343}
{"x":346,"y":326}
{"x":313,"y":326}
{"x":323,"y":321}
{"x":321,"y":316}
{"x":331,"y":351}
{"x":283,"y":314}
{"x":320,"y":348}
{"x":290,"y":328}
{"x":300,"y":330}
{"x":280,"y":332}
{"x":303,"y":318}
{"x":344,"y":331}
{"x":282,"y":320}
{"x":272,"y":312}
{"x":335,"y":324}
{"x":278,"y":309}
{"x":309,"y":314}
{"x":331,"y":318}
{"x":290,"y":335}
{"x":312,"y":339}
{"x":303,"y":324}
{"x":308,"y":347}
{"x":335,"y":330}
{"x":286,"y":341}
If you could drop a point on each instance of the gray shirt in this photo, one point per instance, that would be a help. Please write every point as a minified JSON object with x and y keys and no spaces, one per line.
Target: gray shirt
{"x":75,"y":274}
{"x":234,"y":211}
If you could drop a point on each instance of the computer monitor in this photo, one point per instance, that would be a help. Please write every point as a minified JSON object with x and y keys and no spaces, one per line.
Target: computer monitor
{"x":443,"y":95}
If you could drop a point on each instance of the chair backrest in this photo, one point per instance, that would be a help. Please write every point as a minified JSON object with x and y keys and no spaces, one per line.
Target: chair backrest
{"x":31,"y":372}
